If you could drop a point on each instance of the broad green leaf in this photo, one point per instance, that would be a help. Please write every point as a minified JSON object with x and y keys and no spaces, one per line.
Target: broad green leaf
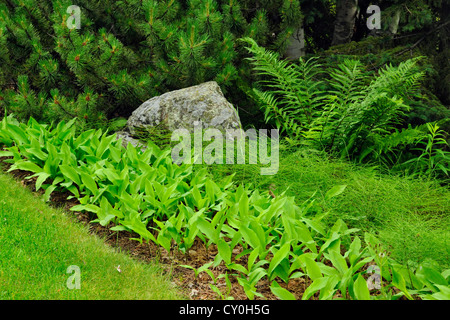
{"x":259,"y":232}
{"x":250,"y":237}
{"x":237,"y":267}
{"x":26,"y":166}
{"x":70,"y":173}
{"x":6,"y":153}
{"x":48,"y":192}
{"x":338,"y":227}
{"x":274,"y":210}
{"x":317,"y":285}
{"x":137,"y":226}
{"x":211,"y":188}
{"x":38,"y":153}
{"x":199,"y":201}
{"x":360,"y":289}
{"x":443,"y":294}
{"x":100,"y":193}
{"x":280,"y":292}
{"x":345,"y":280}
{"x":304,"y":235}
{"x":58,"y":180}
{"x":207,"y":229}
{"x":52,"y":163}
{"x":188,"y":267}
{"x":327,"y":292}
{"x":119,"y":228}
{"x":164,"y":240}
{"x":361,"y":263}
{"x":312,"y":268}
{"x":243,"y":205}
{"x":251,"y":259}
{"x":106,"y":212}
{"x":69,"y":124}
{"x":115,"y":154}
{"x":255,"y":275}
{"x":67,"y":157}
{"x":17,"y":133}
{"x":204,"y":267}
{"x":42,"y":176}
{"x":338,"y":261}
{"x":446,"y":275}
{"x":103,"y":146}
{"x":334,"y":237}
{"x":86,"y":207}
{"x":224,"y":250}
{"x":89,"y":183}
{"x":218,"y":219}
{"x":354,"y":250}
{"x":281,"y":254}
{"x":74,"y":190}
{"x":297,"y":274}
{"x":281,"y":271}
{"x":315,"y":225}
{"x":289,"y":227}
{"x":399,"y":282}
{"x":335,"y":191}
{"x":430,"y":275}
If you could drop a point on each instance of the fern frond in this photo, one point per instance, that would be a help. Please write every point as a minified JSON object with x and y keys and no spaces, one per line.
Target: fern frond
{"x":347,"y":90}
{"x":348,"y":82}
{"x":387,"y":148}
{"x":398,"y":81}
{"x":294,"y":85}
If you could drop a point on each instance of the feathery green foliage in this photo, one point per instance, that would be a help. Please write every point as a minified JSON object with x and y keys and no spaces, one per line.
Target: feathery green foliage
{"x":433,"y":158}
{"x":345,"y":110}
{"x":295,"y":94}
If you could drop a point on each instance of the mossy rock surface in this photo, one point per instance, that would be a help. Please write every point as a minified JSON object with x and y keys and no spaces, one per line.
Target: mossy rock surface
{"x":186,"y":108}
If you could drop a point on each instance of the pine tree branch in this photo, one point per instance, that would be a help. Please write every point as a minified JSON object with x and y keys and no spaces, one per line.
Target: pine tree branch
{"x":423,"y":38}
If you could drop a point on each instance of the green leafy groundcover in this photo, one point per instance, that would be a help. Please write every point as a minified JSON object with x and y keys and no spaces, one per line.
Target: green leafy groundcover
{"x":172,"y":205}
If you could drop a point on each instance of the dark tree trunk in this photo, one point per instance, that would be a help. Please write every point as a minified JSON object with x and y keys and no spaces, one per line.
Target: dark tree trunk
{"x":344,"y":25}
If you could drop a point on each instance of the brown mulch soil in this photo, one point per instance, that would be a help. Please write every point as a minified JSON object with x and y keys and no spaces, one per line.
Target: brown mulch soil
{"x":184,"y":278}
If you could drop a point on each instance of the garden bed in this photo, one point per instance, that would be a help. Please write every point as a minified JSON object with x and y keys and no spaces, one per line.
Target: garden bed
{"x":195,"y":288}
{"x":216,"y":239}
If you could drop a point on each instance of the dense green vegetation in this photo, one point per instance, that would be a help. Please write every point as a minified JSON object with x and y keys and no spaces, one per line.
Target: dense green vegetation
{"x":352,"y":114}
{"x":364,"y":156}
{"x":126,"y":51}
{"x":409,"y":215}
{"x":171,"y":205}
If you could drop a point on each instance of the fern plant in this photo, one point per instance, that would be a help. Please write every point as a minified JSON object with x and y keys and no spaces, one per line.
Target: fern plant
{"x":295,"y":94}
{"x":377,"y":111}
{"x":346,"y":90}
{"x":392,"y":151}
{"x":346,"y":113}
{"x":433,"y":158}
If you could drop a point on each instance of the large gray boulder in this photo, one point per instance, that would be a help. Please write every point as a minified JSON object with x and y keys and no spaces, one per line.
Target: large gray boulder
{"x":185,"y":108}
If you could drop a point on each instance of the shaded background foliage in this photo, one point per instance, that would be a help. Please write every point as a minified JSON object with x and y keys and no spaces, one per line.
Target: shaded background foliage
{"x":128,"y":51}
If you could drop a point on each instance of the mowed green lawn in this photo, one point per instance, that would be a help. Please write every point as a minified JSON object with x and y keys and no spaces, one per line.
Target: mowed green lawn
{"x":38,"y":244}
